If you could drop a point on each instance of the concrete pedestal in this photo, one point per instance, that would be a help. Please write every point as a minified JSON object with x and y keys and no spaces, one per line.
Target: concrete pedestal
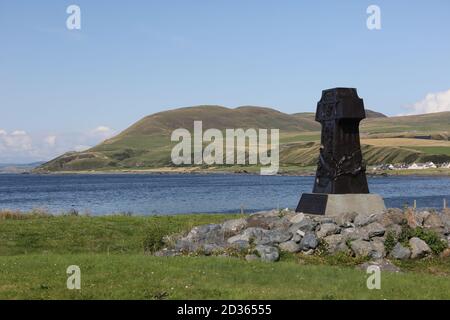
{"x":336,"y":204}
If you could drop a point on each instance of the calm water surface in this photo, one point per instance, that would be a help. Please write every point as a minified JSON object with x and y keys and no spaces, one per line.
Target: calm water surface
{"x":167,"y":194}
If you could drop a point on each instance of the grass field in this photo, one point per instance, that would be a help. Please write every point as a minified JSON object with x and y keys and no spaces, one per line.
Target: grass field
{"x":36,"y":250}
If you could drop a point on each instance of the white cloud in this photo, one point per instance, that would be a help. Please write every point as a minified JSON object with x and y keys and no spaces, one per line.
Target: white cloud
{"x":50,"y":141}
{"x":21,"y":147}
{"x":433,"y":102}
{"x":17,"y":140}
{"x":103,"y":131}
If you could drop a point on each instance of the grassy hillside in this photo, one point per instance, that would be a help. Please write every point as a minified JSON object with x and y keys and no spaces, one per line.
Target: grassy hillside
{"x":146,"y":144}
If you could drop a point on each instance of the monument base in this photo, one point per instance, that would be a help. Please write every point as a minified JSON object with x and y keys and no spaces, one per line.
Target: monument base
{"x":336,"y":204}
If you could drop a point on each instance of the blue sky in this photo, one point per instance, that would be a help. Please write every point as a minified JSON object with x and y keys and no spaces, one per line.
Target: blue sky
{"x":66,"y":89}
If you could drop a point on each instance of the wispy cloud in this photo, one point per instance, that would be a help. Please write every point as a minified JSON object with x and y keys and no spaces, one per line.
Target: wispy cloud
{"x":19,"y":146}
{"x":433,"y":102}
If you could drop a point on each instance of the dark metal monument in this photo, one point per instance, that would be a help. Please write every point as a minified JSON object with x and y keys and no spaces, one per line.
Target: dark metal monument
{"x":341,"y":169}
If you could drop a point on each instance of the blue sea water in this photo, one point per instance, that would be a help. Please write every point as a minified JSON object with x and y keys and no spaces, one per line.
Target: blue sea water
{"x":192,"y":193}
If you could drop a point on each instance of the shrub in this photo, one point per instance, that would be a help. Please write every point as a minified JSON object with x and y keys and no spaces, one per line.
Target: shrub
{"x":390,"y":241}
{"x":154,"y":240}
{"x":429,"y":236}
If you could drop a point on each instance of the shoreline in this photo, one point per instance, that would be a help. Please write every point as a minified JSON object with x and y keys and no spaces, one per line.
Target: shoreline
{"x":288,"y":171}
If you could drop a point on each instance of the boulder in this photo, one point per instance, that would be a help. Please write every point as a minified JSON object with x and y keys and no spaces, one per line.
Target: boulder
{"x":373,"y":229}
{"x":378,"y":249}
{"x":271,"y":237}
{"x":210,"y":233}
{"x":296,"y":218}
{"x":419,"y":248}
{"x":327,"y":229}
{"x":239,"y":245}
{"x":306,"y":225}
{"x":395,"y":228}
{"x":261,"y":221}
{"x":400,"y":252}
{"x":392,"y":217}
{"x":232,"y":227}
{"x":355,"y":234}
{"x":362,"y":248}
{"x":434,"y":222}
{"x":297,"y":237}
{"x":267,"y":253}
{"x":346,"y":220}
{"x":336,"y":243}
{"x":309,"y":241}
{"x":323,"y":219}
{"x":290,"y":246}
{"x":248,"y":235}
{"x":261,"y":236}
{"x":363,"y":219}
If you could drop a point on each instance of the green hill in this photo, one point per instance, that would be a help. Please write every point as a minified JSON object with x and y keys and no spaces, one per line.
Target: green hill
{"x":146,"y":144}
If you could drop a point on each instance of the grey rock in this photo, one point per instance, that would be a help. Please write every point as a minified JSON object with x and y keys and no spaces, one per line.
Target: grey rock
{"x":290,"y":246}
{"x":378,"y":249}
{"x":270,"y":213}
{"x":264,"y":222}
{"x":309,"y":241}
{"x":296,"y":218}
{"x":271,"y":237}
{"x":210,"y":233}
{"x":346,"y":220}
{"x":362,"y":248}
{"x":247,"y":235}
{"x":355,"y":234}
{"x":239,"y":245}
{"x":232,"y":227}
{"x":262,"y":236}
{"x":392,"y":217}
{"x":419,"y":248}
{"x":400,"y":252}
{"x":364,"y":219}
{"x":306,"y":225}
{"x":395,"y":228}
{"x":268,"y":253}
{"x":324,"y":219}
{"x":327,"y":229}
{"x":297,"y":238}
{"x":434,"y":222}
{"x":374,"y":229}
{"x":336,"y":243}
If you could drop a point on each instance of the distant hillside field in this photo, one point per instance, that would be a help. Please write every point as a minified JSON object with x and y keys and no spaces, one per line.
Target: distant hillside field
{"x":147,"y":145}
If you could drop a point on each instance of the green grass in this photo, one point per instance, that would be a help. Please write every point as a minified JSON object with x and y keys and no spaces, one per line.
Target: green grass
{"x":35,"y":251}
{"x":83,"y":234}
{"x":434,"y":150}
{"x":147,"y":277}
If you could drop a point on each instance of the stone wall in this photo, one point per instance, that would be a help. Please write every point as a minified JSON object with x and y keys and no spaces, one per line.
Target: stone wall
{"x":393,"y":233}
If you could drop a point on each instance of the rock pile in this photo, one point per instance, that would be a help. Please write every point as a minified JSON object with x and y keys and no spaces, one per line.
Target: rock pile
{"x":394,"y":233}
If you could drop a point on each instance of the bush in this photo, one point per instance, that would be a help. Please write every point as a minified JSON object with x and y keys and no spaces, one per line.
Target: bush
{"x":429,"y":236}
{"x":390,"y":241}
{"x":154,"y":240}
